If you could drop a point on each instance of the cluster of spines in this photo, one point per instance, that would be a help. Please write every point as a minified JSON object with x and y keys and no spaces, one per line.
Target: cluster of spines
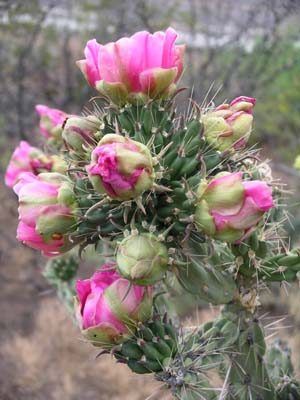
{"x":238,"y":336}
{"x":256,"y":259}
{"x":205,"y":275}
{"x":187,"y":374}
{"x":281,"y":371}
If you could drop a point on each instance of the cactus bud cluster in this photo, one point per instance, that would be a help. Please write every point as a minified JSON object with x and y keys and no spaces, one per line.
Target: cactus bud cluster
{"x":169,"y":200}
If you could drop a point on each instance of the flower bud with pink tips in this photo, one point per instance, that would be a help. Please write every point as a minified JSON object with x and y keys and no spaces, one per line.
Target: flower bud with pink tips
{"x":137,"y":68}
{"x":47,"y":212}
{"x":51,"y":122}
{"x":229,"y":125}
{"x":81,"y":133}
{"x":229,"y":208}
{"x":108,"y":307}
{"x":26,"y":158}
{"x":121,"y":167}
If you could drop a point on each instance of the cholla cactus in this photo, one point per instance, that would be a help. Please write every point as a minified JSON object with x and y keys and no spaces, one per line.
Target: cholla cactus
{"x":170,"y":200}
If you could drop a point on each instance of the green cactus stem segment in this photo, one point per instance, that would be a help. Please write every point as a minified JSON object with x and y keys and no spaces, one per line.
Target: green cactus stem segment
{"x":155,"y":342}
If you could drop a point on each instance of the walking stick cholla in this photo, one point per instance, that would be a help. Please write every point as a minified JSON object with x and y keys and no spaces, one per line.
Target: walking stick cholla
{"x":178,"y":202}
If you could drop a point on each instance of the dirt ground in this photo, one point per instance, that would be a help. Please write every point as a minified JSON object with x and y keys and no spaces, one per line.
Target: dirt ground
{"x":42,"y":356}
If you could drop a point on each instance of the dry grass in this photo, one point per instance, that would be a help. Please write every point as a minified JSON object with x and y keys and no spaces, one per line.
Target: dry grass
{"x":54,"y":364}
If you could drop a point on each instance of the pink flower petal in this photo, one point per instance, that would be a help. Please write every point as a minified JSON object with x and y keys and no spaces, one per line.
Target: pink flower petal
{"x":125,"y":60}
{"x":260,"y":193}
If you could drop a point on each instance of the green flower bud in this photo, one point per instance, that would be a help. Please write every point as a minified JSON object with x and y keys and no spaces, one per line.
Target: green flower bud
{"x":229,"y":208}
{"x":229,"y":125}
{"x":142,"y":259}
{"x":79,"y":132}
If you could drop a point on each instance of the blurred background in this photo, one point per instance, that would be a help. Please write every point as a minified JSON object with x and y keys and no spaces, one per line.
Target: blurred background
{"x":234,"y":47}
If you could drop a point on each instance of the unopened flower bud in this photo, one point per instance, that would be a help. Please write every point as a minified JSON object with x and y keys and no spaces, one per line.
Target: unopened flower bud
{"x":51,"y":122}
{"x":121,"y":167}
{"x":228,"y":207}
{"x":142,"y":259}
{"x":47,"y":212}
{"x":80,"y":132}
{"x":229,"y":126}
{"x":108,"y":309}
{"x":26,"y":158}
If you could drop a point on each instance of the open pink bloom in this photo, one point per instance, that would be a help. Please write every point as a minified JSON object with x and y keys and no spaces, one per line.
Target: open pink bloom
{"x":46,"y":212}
{"x":143,"y":63}
{"x":229,"y":125}
{"x":121,"y":167}
{"x":228,"y":207}
{"x":51,"y":121}
{"x":26,"y":158}
{"x":108,"y":308}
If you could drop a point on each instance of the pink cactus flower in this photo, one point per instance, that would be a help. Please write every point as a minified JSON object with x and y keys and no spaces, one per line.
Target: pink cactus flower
{"x":51,"y":122}
{"x":46,"y":212}
{"x":107,"y":308}
{"x":141,"y":64}
{"x":229,"y":125}
{"x":229,"y":208}
{"x":26,"y":158}
{"x":121,"y":167}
